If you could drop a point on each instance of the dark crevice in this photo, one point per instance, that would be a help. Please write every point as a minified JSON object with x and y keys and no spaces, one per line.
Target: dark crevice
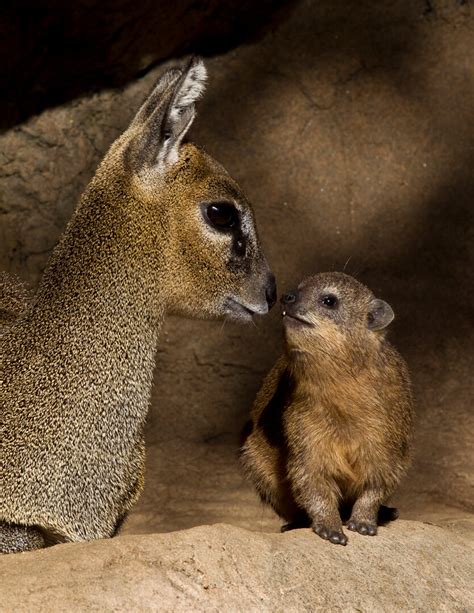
{"x":55,"y":51}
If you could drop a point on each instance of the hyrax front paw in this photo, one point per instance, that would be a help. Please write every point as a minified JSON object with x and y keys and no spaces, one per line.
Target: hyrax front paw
{"x":334,"y":536}
{"x":362,"y":527}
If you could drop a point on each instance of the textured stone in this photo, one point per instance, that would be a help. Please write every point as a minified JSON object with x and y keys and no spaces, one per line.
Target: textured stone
{"x":409,"y":566}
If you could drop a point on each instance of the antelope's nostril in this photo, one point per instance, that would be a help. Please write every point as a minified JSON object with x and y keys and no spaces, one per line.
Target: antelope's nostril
{"x":289,"y":298}
{"x":271,"y":291}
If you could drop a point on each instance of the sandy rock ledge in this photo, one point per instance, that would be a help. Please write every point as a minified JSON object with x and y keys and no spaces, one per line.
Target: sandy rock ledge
{"x":409,"y":566}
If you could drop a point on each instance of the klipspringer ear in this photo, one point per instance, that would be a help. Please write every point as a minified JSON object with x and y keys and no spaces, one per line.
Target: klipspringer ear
{"x":380,"y":314}
{"x":166,"y":116}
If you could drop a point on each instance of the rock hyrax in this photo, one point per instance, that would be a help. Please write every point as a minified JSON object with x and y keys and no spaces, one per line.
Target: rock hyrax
{"x":330,"y":429}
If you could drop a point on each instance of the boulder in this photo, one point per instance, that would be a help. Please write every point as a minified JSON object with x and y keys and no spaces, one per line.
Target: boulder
{"x":408,"y":566}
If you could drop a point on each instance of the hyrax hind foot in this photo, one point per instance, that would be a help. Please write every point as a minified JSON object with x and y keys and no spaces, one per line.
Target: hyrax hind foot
{"x":365,"y":528}
{"x":299,"y":519}
{"x":334,"y":536}
{"x":296,"y":524}
{"x":386,"y":515}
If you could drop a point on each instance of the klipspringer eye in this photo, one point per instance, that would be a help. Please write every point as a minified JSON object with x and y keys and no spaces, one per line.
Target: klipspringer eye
{"x":222,"y":215}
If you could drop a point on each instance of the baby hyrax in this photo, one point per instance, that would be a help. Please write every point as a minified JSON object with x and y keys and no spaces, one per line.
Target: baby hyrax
{"x":331,"y":427}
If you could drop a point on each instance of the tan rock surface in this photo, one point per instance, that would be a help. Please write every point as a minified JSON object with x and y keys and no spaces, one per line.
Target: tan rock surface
{"x":409,"y":566}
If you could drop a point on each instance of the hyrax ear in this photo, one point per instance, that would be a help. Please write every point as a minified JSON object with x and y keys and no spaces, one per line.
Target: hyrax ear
{"x":163,"y":120}
{"x":380,"y":314}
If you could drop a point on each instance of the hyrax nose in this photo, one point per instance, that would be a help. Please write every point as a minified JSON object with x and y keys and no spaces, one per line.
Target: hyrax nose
{"x":271,"y":291}
{"x":289,"y":298}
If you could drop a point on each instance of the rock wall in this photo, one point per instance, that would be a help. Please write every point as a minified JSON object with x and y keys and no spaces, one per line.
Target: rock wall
{"x":56,"y":51}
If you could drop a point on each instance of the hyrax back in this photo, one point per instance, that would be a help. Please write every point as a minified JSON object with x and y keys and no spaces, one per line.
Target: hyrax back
{"x":331,"y":426}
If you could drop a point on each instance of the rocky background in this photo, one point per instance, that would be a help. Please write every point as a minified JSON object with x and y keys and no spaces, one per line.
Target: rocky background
{"x":351,"y":128}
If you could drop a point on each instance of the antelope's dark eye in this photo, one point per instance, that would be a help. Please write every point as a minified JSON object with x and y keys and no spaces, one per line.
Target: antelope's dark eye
{"x":329,"y":301}
{"x":222,"y":215}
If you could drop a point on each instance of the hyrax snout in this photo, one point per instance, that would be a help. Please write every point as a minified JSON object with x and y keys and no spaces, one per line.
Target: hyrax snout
{"x":331,"y":426}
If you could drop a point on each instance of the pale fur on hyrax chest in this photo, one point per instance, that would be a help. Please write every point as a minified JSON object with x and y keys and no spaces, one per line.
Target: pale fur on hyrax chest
{"x":160,"y":228}
{"x":331,"y":426}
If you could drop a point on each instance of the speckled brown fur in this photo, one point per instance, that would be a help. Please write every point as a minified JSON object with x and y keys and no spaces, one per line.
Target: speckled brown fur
{"x":14,"y":299}
{"x":77,"y":366}
{"x":343,"y":413}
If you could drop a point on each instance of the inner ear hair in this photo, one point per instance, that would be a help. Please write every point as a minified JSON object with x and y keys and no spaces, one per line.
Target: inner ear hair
{"x":187,"y":90}
{"x":180,"y":110}
{"x":380,"y":314}
{"x":164,"y":119}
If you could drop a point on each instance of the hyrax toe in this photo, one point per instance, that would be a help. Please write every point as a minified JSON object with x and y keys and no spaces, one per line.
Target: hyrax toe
{"x":365,"y":528}
{"x":333,"y":536}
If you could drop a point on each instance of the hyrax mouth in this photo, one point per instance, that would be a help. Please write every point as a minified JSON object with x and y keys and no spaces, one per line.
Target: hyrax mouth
{"x":292,"y":318}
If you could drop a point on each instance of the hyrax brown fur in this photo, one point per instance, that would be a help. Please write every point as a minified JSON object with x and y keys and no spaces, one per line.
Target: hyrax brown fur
{"x":161,"y":228}
{"x":331,"y":427}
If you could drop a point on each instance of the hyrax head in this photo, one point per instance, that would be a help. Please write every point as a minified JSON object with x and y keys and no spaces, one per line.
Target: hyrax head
{"x":205,"y":231}
{"x":330,"y":311}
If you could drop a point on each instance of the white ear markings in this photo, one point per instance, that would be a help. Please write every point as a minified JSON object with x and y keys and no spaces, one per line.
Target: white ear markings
{"x":164,"y":119}
{"x":181,"y":111}
{"x":189,"y":90}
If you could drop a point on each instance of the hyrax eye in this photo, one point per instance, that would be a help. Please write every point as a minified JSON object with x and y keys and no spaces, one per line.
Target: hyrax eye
{"x":222,"y":215}
{"x":329,"y":301}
